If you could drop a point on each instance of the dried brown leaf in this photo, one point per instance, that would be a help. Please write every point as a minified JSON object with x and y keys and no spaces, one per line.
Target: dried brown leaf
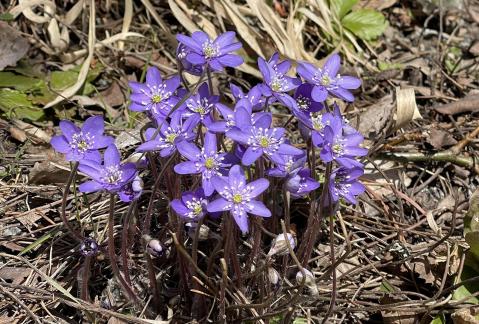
{"x":12,"y":45}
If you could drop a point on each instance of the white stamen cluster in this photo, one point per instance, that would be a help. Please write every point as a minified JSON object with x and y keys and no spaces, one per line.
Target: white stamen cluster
{"x":195,"y":205}
{"x":265,"y":139}
{"x":210,"y":162}
{"x":303,"y":103}
{"x":238,"y":195}
{"x":201,"y":106}
{"x":157,"y":94}
{"x":82,"y":142}
{"x":210,"y":49}
{"x":169,"y":137}
{"x":278,"y":83}
{"x":317,"y":122}
{"x":324,"y":78}
{"x":112,"y":175}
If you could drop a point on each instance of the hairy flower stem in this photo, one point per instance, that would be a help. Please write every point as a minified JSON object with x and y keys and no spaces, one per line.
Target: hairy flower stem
{"x":256,"y":221}
{"x":315,"y":217}
{"x":124,"y":242}
{"x":332,"y":302}
{"x":112,"y":256}
{"x":210,"y":80}
{"x":85,"y":277}
{"x":66,"y":192}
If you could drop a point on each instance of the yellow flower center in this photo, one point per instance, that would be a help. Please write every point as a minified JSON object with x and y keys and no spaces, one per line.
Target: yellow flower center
{"x":325,"y":80}
{"x":264,"y":142}
{"x":197,"y":209}
{"x":171,"y":137}
{"x":276,"y":85}
{"x":156,"y":98}
{"x":237,"y":198}
{"x":209,"y":163}
{"x":82,"y":145}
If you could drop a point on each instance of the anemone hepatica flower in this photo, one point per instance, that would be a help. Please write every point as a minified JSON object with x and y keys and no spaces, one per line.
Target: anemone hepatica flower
{"x":254,"y":96}
{"x":288,"y":165}
{"x":327,"y":80}
{"x":181,"y":53}
{"x":214,"y":53}
{"x":342,"y":148}
{"x":276,"y":82}
{"x":237,"y":197}
{"x":192,"y":205}
{"x":170,"y":134}
{"x":344,"y":184}
{"x":241,"y":118}
{"x":316,"y":122}
{"x":206,"y":161}
{"x":201,"y":103}
{"x":81,"y":143}
{"x":157,"y":96}
{"x":301,"y":183}
{"x":260,"y":139}
{"x":304,"y":103}
{"x":111,"y":176}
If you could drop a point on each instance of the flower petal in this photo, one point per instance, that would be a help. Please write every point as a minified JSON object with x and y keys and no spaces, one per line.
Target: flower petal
{"x":179,"y":207}
{"x":225,"y":39}
{"x":153,"y":76}
{"x":319,"y":93}
{"x":238,"y":136}
{"x":188,"y":150}
{"x":68,"y":129}
{"x":241,"y":220}
{"x":332,"y":65}
{"x":348,"y":82}
{"x":251,"y":155}
{"x":112,"y":156}
{"x":210,"y":143}
{"x":60,"y":144}
{"x":195,"y":58}
{"x":207,"y":187}
{"x":342,"y":94}
{"x":231,"y":60}
{"x":258,"y":208}
{"x":218,"y":205}
{"x":94,"y":125}
{"x":289,"y":150}
{"x":188,"y":167}
{"x":90,"y":186}
{"x":236,"y":176}
{"x":258,"y":187}
{"x":219,"y":184}
{"x":189,"y":42}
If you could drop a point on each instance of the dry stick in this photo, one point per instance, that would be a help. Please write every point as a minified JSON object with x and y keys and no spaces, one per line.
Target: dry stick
{"x":66,"y":192}
{"x":111,"y":253}
{"x":22,"y":305}
{"x":124,"y":242}
{"x":465,"y":141}
{"x":332,"y":256}
{"x":224,"y":277}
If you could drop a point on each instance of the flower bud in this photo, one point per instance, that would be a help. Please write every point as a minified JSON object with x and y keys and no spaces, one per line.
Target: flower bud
{"x":89,"y":247}
{"x":137,"y":184}
{"x":273,"y":276}
{"x":154,"y":248}
{"x":308,"y":281}
{"x":204,"y":231}
{"x":279,"y":246}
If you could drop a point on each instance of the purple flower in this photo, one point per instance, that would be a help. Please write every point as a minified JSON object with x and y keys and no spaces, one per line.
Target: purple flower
{"x":79,"y":144}
{"x":192,"y":206}
{"x":181,"y":53}
{"x":260,"y":139}
{"x":304,"y":104}
{"x":170,"y":135}
{"x":206,"y":161}
{"x":254,"y":96}
{"x":213,"y":53}
{"x":155,"y":95}
{"x":327,"y":80}
{"x":342,"y":148}
{"x":276,"y":82}
{"x":240,"y":118}
{"x":288,"y":165}
{"x":316,"y":122}
{"x":301,"y":183}
{"x":132,"y":190}
{"x":238,"y":197}
{"x":111,"y":176}
{"x":344,"y":184}
{"x":201,"y":103}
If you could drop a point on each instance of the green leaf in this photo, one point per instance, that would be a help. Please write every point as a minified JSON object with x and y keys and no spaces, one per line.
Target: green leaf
{"x":439,"y":319}
{"x":19,"y":82}
{"x":387,"y":287}
{"x":342,"y":7}
{"x":384,"y":66}
{"x":6,"y":16}
{"x":366,"y":24}
{"x":16,"y":104}
{"x":468,"y":289}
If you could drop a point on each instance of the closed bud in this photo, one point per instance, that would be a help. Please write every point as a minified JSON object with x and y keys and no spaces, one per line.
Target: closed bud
{"x":89,"y":247}
{"x":308,"y":281}
{"x":154,"y":248}
{"x":273,"y":276}
{"x":204,"y":232}
{"x":137,"y":184}
{"x":280,"y":247}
